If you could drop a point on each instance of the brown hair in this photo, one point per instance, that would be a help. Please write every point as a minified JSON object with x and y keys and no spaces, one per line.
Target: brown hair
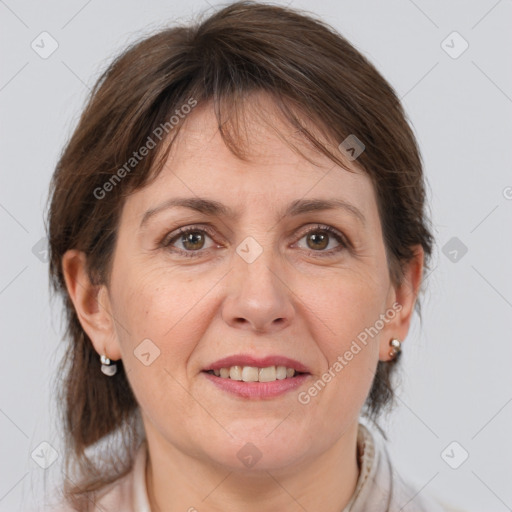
{"x":312,"y":73}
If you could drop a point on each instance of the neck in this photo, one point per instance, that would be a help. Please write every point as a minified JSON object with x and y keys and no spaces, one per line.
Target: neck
{"x":177,"y":481}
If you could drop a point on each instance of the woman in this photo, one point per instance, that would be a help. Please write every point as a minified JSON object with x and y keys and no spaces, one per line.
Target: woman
{"x":237,"y":229}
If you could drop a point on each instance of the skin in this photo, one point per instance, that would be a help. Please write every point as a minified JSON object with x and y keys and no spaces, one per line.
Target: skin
{"x":289,"y":301}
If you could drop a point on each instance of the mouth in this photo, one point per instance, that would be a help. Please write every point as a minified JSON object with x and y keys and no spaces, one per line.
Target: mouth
{"x":256,"y":383}
{"x":249,"y":376}
{"x":249,"y":368}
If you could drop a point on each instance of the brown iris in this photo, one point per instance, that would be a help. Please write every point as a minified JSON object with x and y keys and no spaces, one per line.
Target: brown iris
{"x":193,"y":238}
{"x":322,"y":238}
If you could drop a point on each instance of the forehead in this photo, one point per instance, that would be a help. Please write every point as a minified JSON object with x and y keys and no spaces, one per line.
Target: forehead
{"x":258,"y":128}
{"x":201,"y":164}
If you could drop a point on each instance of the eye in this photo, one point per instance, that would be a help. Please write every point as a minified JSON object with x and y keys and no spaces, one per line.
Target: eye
{"x":319,"y":237}
{"x":192,"y":239}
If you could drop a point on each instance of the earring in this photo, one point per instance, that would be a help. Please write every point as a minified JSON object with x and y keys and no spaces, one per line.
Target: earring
{"x":107,"y":366}
{"x":395,"y":345}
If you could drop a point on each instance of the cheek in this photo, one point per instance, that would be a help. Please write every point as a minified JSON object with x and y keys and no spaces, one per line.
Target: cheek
{"x":343,"y":312}
{"x":161,"y":314}
{"x":345,"y":305}
{"x":154,"y":300}
{"x":157,"y":335}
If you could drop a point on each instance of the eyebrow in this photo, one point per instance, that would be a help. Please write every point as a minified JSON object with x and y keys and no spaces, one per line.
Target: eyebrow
{"x":215,"y":208}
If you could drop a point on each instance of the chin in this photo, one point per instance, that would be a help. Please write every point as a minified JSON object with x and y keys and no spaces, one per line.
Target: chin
{"x":259,"y":451}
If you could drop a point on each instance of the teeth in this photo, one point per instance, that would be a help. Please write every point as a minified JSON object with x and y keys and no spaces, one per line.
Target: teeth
{"x":267,"y":374}
{"x":254,"y":374}
{"x":281,"y":372}
{"x":235,"y":373}
{"x":249,"y":374}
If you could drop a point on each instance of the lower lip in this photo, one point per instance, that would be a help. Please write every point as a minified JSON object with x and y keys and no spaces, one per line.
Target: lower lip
{"x":257,"y":389}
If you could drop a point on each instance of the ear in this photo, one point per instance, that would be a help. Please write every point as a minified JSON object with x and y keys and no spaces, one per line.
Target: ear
{"x":404,"y":297}
{"x":92,"y":305}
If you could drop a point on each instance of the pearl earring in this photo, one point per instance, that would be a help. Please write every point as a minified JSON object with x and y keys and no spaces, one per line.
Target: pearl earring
{"x":107,"y":366}
{"x":395,"y":345}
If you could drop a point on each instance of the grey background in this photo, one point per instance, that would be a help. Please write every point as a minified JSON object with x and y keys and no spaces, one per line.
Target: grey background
{"x":456,"y":381}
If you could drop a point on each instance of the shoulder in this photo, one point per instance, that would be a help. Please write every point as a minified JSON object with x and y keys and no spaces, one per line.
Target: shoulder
{"x":126,"y":494}
{"x":389,"y":486}
{"x":114,"y":497}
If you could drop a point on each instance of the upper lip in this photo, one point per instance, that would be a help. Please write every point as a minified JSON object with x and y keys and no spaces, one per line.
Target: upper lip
{"x":260,"y":362}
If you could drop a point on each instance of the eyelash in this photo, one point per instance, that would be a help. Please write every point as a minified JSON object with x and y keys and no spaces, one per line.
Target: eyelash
{"x":168,"y":240}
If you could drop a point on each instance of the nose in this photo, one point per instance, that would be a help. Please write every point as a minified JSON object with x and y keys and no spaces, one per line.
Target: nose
{"x":259,"y":298}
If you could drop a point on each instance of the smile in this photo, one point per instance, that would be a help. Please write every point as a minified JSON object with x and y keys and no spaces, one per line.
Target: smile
{"x":253,"y":387}
{"x":255,"y":374}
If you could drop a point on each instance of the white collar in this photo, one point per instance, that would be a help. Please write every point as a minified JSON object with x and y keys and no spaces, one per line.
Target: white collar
{"x":140,"y":494}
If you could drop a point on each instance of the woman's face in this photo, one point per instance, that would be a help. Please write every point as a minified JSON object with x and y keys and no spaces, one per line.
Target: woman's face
{"x":250,"y":280}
